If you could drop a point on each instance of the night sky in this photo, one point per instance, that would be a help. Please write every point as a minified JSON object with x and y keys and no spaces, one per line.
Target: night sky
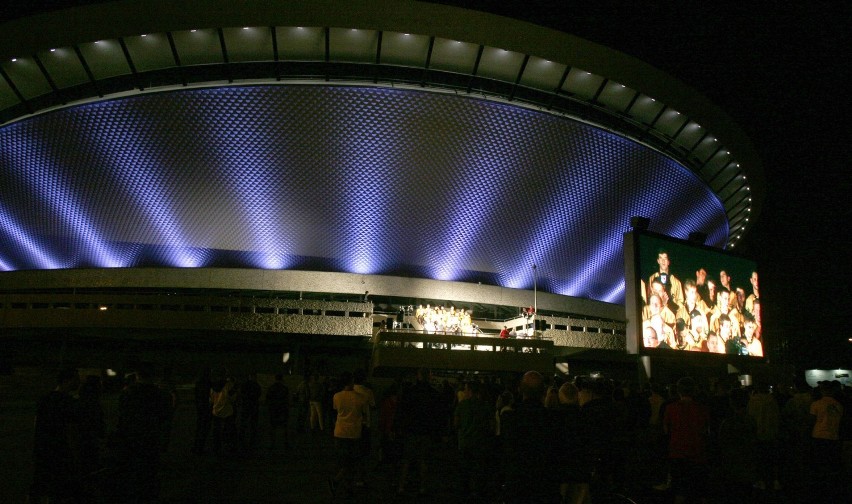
{"x":782,"y":71}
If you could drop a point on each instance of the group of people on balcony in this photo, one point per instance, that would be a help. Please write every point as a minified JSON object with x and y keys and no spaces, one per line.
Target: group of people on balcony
{"x":440,"y":320}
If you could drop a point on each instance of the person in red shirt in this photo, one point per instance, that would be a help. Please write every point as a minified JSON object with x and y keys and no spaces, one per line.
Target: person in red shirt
{"x":686,"y":421}
{"x":504,"y":334}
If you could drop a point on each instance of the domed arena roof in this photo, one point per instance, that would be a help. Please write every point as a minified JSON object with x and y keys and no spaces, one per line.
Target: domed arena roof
{"x":374,"y":141}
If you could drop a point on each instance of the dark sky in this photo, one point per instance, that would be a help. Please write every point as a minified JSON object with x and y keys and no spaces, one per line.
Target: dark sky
{"x":782,"y":71}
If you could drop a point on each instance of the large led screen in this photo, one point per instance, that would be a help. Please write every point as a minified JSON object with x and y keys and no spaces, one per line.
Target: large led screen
{"x":689,"y":298}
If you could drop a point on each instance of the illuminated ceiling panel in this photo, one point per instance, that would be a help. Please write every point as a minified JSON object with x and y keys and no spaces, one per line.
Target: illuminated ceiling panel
{"x":63,"y":66}
{"x":616,"y":96}
{"x":358,"y":46}
{"x":150,"y":51}
{"x":582,"y":83}
{"x":690,"y":135}
{"x":542,"y":74}
{"x":404,"y":49}
{"x":7,"y":96}
{"x":301,"y":43}
{"x":500,"y":64}
{"x":248,"y":43}
{"x":105,"y":58}
{"x":26,"y":75}
{"x":198,"y":47}
{"x":645,"y":109}
{"x":454,"y":56}
{"x":670,"y":122}
{"x":336,"y":178}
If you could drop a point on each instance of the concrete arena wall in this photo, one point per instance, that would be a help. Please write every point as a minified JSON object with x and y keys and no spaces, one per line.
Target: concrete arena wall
{"x":238,"y":314}
{"x":304,"y":281}
{"x":242,"y":312}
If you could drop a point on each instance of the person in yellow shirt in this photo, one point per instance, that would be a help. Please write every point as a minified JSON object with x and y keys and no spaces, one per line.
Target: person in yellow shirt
{"x":723,"y":307}
{"x":671,"y":284}
{"x":656,"y":306}
{"x":725,"y":280}
{"x":691,"y":302}
{"x":351,"y":410}
{"x":826,"y":443}
{"x":687,"y":339}
{"x":752,"y":344}
{"x":755,"y":293}
{"x":660,"y":335}
{"x":700,"y":330}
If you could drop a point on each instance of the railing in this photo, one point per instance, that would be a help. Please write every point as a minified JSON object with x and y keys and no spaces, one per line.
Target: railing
{"x":394,"y":350}
{"x":446,"y":342}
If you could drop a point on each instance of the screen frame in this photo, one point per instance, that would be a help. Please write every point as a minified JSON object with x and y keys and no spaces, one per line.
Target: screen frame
{"x":634,"y":304}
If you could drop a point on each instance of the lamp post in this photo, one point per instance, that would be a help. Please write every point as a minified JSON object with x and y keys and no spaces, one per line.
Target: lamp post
{"x":535,"y":301}
{"x":535,"y":291}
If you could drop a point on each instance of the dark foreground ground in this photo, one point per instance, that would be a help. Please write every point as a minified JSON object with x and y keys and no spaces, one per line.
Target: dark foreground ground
{"x":298,"y":474}
{"x":295,"y":475}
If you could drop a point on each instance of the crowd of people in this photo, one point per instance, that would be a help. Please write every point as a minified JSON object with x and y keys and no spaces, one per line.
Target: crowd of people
{"x":700,"y":314}
{"x":553,"y":440}
{"x":73,"y":452}
{"x":517,"y":439}
{"x":536,"y":439}
{"x":78,"y":459}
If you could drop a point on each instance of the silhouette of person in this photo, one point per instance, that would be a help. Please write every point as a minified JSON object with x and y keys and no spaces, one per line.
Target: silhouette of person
{"x":249,"y":409}
{"x":534,"y":439}
{"x":56,"y":435}
{"x":278,"y":405}
{"x":92,"y":425}
{"x":144,"y":410}
{"x":203,"y":412}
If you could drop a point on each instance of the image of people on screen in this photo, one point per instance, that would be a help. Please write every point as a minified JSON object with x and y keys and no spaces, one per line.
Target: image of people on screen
{"x":704,"y":309}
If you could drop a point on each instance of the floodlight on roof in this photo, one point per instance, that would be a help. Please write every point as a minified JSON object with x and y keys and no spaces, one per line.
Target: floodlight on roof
{"x":640,"y":223}
{"x":698,"y":237}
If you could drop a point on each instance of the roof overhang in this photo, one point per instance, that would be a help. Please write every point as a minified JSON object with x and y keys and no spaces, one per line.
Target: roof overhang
{"x":99,"y":51}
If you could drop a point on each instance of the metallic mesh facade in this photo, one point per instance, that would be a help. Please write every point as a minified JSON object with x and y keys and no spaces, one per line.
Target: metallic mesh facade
{"x":333,"y":178}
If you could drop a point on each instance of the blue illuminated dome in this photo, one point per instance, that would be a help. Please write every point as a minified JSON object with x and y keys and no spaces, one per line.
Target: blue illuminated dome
{"x":352,"y":179}
{"x":273,"y":139}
